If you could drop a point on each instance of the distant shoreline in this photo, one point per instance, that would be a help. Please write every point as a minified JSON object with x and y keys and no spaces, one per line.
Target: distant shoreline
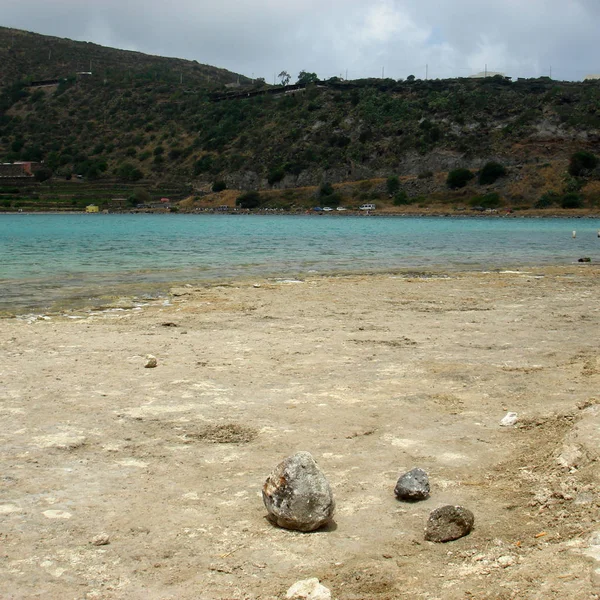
{"x":533,"y":214}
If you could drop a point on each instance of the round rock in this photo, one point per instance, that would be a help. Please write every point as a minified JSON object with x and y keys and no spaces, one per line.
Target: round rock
{"x":297,"y":495}
{"x":151,"y":361}
{"x":413,"y":486}
{"x":449,"y":523}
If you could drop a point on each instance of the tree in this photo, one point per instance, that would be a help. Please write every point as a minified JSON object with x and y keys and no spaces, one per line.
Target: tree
{"x":458,"y":178}
{"x":392,"y":184}
{"x":219,"y":186}
{"x":306,"y":78}
{"x":582,"y":163}
{"x":284,"y":77}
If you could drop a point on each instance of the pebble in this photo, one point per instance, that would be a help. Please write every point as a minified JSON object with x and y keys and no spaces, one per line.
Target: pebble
{"x":297,"y":495}
{"x":101,"y":540}
{"x":506,"y":561}
{"x":449,"y":523}
{"x":308,"y":589}
{"x":413,"y":486}
{"x":151,"y":361}
{"x":509,"y":419}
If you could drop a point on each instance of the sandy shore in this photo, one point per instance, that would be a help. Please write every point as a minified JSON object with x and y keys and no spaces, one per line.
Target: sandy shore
{"x":373,"y":375}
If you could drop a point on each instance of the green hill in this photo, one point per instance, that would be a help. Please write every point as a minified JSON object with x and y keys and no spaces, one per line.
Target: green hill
{"x":154,"y":121}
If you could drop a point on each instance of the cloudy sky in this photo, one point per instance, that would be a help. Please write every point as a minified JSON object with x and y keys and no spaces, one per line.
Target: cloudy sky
{"x":363,"y":38}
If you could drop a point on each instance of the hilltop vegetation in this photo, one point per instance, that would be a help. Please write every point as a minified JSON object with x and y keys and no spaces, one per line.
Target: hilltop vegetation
{"x":151,"y":120}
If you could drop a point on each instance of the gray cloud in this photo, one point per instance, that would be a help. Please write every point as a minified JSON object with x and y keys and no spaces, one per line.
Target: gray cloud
{"x":263,"y":37}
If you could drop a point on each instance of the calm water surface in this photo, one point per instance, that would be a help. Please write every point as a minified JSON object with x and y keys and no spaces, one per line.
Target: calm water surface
{"x":54,"y":261}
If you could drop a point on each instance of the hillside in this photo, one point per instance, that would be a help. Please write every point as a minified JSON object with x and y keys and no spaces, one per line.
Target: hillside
{"x":151,"y":121}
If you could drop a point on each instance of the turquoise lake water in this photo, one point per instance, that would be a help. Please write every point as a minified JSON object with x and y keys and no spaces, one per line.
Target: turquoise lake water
{"x":55,"y":261}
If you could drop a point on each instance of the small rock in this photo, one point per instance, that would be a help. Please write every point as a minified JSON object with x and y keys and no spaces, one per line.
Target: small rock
{"x":506,"y":561}
{"x":308,"y":589}
{"x":151,"y":361}
{"x":256,"y":285}
{"x":413,"y":486}
{"x":585,"y":259}
{"x":449,"y":523}
{"x":101,"y":540}
{"x":509,"y":419}
{"x":297,"y":495}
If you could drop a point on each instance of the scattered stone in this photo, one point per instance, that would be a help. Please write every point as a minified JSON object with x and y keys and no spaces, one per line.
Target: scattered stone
{"x":506,"y":561}
{"x":413,"y":486}
{"x":151,"y":361}
{"x":297,"y":495}
{"x":256,"y":285}
{"x":509,"y":420}
{"x":585,"y":259}
{"x":449,"y":523}
{"x":169,"y":324}
{"x":101,"y":540}
{"x":308,"y":589}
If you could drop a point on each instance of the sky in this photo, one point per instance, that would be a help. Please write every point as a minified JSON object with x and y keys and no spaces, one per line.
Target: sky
{"x":347,"y":38}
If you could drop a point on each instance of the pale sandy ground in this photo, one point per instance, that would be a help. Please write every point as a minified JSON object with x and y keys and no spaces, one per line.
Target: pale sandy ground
{"x":373,"y":375}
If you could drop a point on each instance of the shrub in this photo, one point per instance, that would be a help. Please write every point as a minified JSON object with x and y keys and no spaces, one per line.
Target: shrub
{"x":425,"y":175}
{"x":129,"y":172}
{"x":249,"y":200}
{"x":219,"y":186}
{"x":491,"y":172}
{"x":276,"y":175}
{"x":488,"y":201}
{"x":458,"y":178}
{"x":582,"y":163}
{"x":42,"y":174}
{"x":326,"y":190}
{"x":401,"y":199}
{"x":571,"y":201}
{"x":392,"y":184}
{"x":548,"y":199}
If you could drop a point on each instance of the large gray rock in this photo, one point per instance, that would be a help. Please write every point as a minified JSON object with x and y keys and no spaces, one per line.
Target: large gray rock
{"x":297,"y":494}
{"x":413,"y":486}
{"x":449,"y":523}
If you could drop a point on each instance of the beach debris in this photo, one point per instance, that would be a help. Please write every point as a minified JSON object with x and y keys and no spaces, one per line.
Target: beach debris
{"x":151,"y":361}
{"x":449,"y":523}
{"x":297,"y":494}
{"x":101,"y":539}
{"x":509,"y":420}
{"x":169,"y":324}
{"x":585,"y":259}
{"x":308,"y":589}
{"x":413,"y":486}
{"x":256,"y":285}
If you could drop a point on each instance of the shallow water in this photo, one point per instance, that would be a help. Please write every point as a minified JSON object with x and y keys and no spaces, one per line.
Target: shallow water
{"x":50,"y":262}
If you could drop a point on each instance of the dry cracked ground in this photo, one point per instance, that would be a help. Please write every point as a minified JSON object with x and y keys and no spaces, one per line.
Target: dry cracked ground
{"x":121,"y":482}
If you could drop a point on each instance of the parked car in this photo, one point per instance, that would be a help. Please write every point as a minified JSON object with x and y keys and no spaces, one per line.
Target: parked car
{"x":327,"y":209}
{"x":367,"y":207}
{"x":341,"y":208}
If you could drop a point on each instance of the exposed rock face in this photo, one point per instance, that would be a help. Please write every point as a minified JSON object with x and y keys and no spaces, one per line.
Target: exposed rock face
{"x":308,"y":589}
{"x":413,"y":486}
{"x":449,"y":523}
{"x":297,"y":494}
